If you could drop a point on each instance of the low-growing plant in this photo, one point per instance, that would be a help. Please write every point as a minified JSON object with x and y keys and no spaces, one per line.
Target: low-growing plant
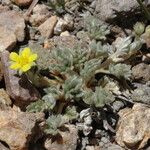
{"x":57,"y":5}
{"x":96,"y":28}
{"x":82,"y":76}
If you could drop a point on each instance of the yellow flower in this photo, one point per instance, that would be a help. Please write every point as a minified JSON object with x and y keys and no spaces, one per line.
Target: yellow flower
{"x":24,"y":61}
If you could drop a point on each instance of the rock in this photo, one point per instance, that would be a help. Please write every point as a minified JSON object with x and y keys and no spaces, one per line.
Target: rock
{"x":18,"y":129}
{"x":48,"y":44}
{"x":7,"y":42}
{"x":69,"y":140}
{"x":22,"y":2}
{"x":63,"y":24}
{"x":6,"y":2}
{"x":65,"y":41}
{"x":85,"y":124}
{"x":32,"y":33}
{"x":46,"y":29}
{"x":114,"y":147}
{"x":19,"y":88}
{"x":2,"y":147}
{"x":69,"y":22}
{"x":141,"y":94}
{"x":117,"y":105}
{"x":39,"y":15}
{"x":146,"y":36}
{"x":109,"y":146}
{"x":141,"y":72}
{"x":65,"y":33}
{"x":4,"y":98}
{"x":133,"y":130}
{"x":148,"y":148}
{"x":119,"y":32}
{"x":93,"y":4}
{"x":146,"y":58}
{"x":82,"y":35}
{"x":104,"y":143}
{"x":3,"y":8}
{"x":14,"y":22}
{"x":113,"y":6}
{"x":105,"y":140}
{"x":93,"y":148}
{"x":1,"y":71}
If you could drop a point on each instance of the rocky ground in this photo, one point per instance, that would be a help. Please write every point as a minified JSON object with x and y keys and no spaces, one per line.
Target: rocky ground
{"x":123,"y":123}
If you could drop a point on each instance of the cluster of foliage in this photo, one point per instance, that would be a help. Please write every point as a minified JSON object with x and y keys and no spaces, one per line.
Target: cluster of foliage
{"x":57,"y":5}
{"x":83,"y":76}
{"x":61,"y":6}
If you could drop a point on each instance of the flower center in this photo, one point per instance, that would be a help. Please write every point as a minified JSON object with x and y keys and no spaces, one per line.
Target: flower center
{"x":23,"y":61}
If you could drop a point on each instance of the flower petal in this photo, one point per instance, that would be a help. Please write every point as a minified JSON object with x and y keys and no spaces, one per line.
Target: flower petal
{"x":15,"y":66}
{"x":26,"y":52}
{"x":32,"y":57}
{"x":14,"y":56}
{"x":26,"y":67}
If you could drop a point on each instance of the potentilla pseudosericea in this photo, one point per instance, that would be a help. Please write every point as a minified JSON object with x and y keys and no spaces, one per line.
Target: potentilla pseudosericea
{"x":22,"y":61}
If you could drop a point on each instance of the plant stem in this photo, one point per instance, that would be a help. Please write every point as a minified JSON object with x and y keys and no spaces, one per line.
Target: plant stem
{"x":29,"y":10}
{"x":102,"y":71}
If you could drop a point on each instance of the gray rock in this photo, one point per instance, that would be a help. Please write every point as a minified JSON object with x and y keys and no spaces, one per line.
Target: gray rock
{"x":106,"y":8}
{"x":141,"y":94}
{"x":105,"y":140}
{"x":114,"y":147}
{"x":2,"y":147}
{"x":69,"y":140}
{"x":85,"y":122}
{"x":148,"y":148}
{"x":93,"y":148}
{"x":46,"y":29}
{"x":39,"y":15}
{"x":117,"y":105}
{"x":64,"y":24}
{"x":3,"y":8}
{"x":18,"y":129}
{"x":142,"y":72}
{"x":59,"y":26}
{"x":109,"y":146}
{"x":65,"y":33}
{"x":85,"y":141}
{"x":19,"y":89}
{"x":82,"y":35}
{"x":133,"y":130}
{"x":146,"y":58}
{"x":65,"y":41}
{"x":4,"y":98}
{"x":6,"y":2}
{"x":14,"y":22}
{"x":7,"y":39}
